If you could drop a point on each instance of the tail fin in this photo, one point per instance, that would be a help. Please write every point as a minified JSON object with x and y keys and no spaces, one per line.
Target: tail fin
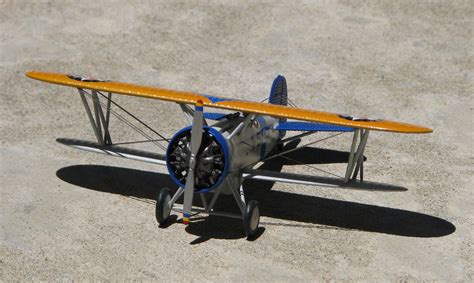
{"x":279,"y":95}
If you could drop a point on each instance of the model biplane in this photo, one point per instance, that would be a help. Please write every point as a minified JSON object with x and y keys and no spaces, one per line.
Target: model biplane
{"x":218,"y":150}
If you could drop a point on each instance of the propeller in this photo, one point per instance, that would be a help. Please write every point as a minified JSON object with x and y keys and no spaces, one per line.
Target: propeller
{"x":196,"y":138}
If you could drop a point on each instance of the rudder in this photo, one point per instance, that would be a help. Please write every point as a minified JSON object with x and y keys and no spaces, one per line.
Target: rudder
{"x":278,"y":92}
{"x":279,"y":96}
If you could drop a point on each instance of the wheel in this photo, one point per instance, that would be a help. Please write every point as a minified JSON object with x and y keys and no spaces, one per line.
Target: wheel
{"x":162,"y":210}
{"x":251,"y":218}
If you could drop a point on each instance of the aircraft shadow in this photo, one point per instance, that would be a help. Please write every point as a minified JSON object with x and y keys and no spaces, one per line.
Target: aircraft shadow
{"x":312,"y":155}
{"x":308,"y":210}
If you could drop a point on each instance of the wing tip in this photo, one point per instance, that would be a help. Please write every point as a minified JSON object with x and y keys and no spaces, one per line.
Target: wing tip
{"x":30,"y":74}
{"x":422,"y":130}
{"x":34,"y":75}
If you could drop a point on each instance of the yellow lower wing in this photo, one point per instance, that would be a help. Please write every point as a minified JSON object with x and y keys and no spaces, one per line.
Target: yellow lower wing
{"x":229,"y":104}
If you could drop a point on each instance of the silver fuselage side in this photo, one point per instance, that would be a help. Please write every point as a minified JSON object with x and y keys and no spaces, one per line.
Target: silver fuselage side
{"x":255,"y":139}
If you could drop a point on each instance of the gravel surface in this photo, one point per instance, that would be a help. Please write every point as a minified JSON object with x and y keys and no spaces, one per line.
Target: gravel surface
{"x":70,"y":215}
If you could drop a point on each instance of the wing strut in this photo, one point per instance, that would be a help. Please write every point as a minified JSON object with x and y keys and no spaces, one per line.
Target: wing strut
{"x":100,"y":121}
{"x":356,"y":157}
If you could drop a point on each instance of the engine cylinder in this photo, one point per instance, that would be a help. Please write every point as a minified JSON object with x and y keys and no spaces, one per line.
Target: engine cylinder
{"x":212,"y":159}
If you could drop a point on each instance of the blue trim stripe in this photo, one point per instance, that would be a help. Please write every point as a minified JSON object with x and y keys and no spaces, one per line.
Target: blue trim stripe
{"x":262,"y":123}
{"x":214,"y":116}
{"x":215,"y":99}
{"x":312,"y":127}
{"x":199,"y":108}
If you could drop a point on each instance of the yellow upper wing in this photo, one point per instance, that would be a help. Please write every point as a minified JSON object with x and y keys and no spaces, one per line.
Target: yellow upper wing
{"x":229,"y":104}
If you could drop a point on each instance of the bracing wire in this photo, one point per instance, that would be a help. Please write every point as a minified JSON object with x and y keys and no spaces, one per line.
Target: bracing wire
{"x":291,"y":103}
{"x":133,"y":116}
{"x":281,"y":154}
{"x":162,"y":138}
{"x":310,"y":166}
{"x":300,"y":147}
{"x":134,"y":127}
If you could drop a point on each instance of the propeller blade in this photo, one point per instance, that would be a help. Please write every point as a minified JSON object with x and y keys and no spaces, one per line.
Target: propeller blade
{"x":196,"y":138}
{"x":188,"y":196}
{"x":196,"y":132}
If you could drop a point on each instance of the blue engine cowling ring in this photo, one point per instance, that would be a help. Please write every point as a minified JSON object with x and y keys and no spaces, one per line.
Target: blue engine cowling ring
{"x":221,"y":141}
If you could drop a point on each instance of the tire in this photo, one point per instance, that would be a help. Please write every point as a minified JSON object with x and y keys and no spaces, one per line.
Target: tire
{"x":251,"y":218}
{"x":162,"y":211}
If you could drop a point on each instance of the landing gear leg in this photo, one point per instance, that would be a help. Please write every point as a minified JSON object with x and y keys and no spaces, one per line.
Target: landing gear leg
{"x":250,"y":212}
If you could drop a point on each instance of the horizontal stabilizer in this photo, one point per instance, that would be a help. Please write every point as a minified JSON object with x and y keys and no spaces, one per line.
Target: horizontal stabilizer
{"x":311,"y":127}
{"x":114,"y":150}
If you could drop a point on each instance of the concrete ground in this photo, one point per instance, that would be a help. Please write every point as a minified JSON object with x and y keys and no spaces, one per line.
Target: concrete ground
{"x":70,"y":215}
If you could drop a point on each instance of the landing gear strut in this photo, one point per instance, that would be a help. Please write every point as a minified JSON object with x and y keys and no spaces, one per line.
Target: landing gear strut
{"x":249,"y":212}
